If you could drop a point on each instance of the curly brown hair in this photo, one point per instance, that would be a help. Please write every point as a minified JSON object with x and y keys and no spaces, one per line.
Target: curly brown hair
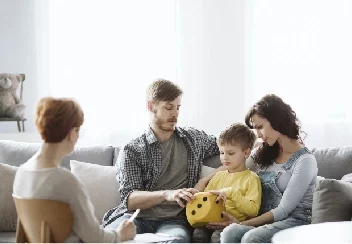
{"x":281,"y":118}
{"x":55,"y":117}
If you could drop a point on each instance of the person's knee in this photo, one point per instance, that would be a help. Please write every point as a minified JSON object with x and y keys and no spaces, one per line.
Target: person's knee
{"x":258,"y":235}
{"x":114,"y":225}
{"x":178,"y":229}
{"x":184,"y":237}
{"x":249,"y":237}
{"x":200,"y":235}
{"x":231,"y":234}
{"x":215,"y":237}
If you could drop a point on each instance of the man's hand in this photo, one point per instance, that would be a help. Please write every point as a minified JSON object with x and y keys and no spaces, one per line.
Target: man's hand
{"x":220,"y":225}
{"x":220,"y":195}
{"x":180,"y":195}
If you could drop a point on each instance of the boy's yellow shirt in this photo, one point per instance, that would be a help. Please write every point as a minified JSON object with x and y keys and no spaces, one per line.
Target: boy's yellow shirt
{"x":243,"y":192}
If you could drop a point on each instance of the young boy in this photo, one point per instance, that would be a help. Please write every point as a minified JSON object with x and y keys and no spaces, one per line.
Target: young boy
{"x":238,"y":186}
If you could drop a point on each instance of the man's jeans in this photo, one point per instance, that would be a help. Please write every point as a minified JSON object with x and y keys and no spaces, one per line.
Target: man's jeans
{"x":173,"y":227}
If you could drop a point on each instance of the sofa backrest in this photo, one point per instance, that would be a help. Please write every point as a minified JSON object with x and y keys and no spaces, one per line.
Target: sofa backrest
{"x":333,"y":163}
{"x":17,"y":153}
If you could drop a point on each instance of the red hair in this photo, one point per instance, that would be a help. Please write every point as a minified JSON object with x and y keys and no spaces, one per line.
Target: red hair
{"x":55,"y":117}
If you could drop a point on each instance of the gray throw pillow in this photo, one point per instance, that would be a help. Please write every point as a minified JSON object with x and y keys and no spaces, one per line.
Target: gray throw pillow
{"x":8,"y":214}
{"x":332,"y":201}
{"x":213,"y":162}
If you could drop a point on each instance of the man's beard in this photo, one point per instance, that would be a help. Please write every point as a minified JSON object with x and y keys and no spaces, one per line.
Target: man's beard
{"x":160,"y":123}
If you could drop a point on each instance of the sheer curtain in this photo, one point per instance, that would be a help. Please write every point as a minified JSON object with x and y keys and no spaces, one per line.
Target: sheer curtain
{"x":104,"y":53}
{"x":301,"y":50}
{"x":210,"y":64}
{"x":224,"y":54}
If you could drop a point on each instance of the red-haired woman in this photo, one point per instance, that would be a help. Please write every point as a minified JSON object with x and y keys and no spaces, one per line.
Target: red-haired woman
{"x":58,"y":121}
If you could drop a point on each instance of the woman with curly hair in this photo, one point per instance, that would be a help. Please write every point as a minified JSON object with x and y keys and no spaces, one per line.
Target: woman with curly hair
{"x":287,"y":169}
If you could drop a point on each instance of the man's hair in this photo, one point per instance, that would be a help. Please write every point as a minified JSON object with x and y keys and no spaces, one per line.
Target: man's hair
{"x":238,"y":134}
{"x":55,"y":117}
{"x":163,"y":90}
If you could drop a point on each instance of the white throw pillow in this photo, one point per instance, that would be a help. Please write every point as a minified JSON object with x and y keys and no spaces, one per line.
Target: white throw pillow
{"x":100,"y":183}
{"x":206,"y":170}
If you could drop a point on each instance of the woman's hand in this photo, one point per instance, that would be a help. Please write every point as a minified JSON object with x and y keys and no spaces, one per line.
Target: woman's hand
{"x":221,"y":225}
{"x":127,"y":231}
{"x":220,"y":195}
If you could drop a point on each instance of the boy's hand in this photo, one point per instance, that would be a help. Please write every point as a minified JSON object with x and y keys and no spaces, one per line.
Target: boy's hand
{"x":220,"y":195}
{"x":201,"y":185}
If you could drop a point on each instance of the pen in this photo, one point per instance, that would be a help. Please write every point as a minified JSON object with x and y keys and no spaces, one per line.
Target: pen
{"x":134,"y":215}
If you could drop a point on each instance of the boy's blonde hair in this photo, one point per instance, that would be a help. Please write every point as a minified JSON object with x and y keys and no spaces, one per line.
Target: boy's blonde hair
{"x":238,"y":134}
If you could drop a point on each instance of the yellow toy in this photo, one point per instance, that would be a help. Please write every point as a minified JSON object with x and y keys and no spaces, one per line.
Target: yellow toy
{"x":204,"y":209}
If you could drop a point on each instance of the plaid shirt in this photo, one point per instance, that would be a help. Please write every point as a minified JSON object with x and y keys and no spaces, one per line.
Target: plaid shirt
{"x":139,"y":164}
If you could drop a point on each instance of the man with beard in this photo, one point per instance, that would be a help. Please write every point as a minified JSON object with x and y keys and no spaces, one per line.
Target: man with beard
{"x":159,"y":171}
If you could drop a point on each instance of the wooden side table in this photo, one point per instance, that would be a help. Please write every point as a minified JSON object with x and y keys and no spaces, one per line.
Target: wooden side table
{"x":329,"y":232}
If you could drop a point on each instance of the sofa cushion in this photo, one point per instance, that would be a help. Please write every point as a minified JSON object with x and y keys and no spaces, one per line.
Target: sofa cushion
{"x":333,"y":163}
{"x":213,"y":162}
{"x":17,"y":153}
{"x":8,"y":214}
{"x":206,"y":171}
{"x":332,"y":201}
{"x":116,"y":154}
{"x":347,"y":178}
{"x":101,"y":185}
{"x":8,"y":237}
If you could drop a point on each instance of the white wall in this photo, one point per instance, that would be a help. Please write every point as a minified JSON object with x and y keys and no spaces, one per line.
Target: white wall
{"x":211,"y":59}
{"x":213,"y":56}
{"x":305,"y":58}
{"x":19,"y":53}
{"x":21,"y":137}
